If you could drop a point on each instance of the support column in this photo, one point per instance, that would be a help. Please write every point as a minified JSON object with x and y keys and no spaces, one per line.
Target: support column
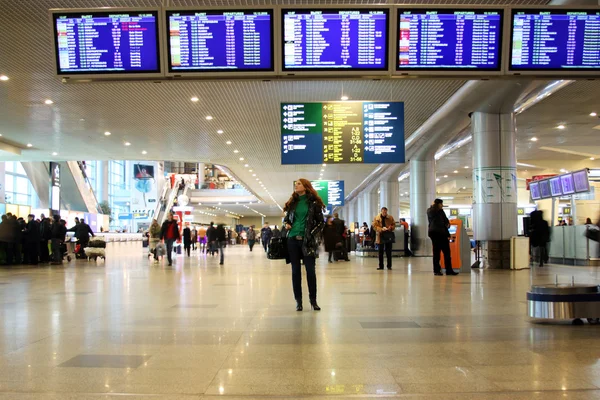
{"x":389,"y":196}
{"x":360,"y":204}
{"x":351,"y":213}
{"x":373,"y":206}
{"x":366,"y":217}
{"x":422,"y":194}
{"x":104,"y":181}
{"x":494,"y":185}
{"x":200,"y":172}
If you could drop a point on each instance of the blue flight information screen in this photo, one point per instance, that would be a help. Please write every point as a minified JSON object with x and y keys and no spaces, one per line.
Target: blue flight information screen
{"x":342,"y":132}
{"x":335,"y":39}
{"x":100,"y":42}
{"x":220,"y":40}
{"x":447,"y":39}
{"x":555,"y":40}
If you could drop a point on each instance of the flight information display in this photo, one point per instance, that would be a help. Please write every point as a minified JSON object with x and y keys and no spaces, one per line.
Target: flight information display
{"x":581,"y":180}
{"x":556,"y":187}
{"x":555,"y":40}
{"x":545,"y":189}
{"x":331,"y":192}
{"x":342,"y":132}
{"x":102,"y":42}
{"x":335,"y":39}
{"x":534,"y":188}
{"x":449,"y":39}
{"x":220,"y":40}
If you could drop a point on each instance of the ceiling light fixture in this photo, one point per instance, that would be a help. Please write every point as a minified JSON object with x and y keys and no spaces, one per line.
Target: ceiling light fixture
{"x":464,"y":187}
{"x":534,"y":139}
{"x":228,"y":142}
{"x":466,"y":167}
{"x":107,"y":133}
{"x":344,"y":98}
{"x":127,"y":144}
{"x":3,"y":78}
{"x":220,"y":131}
{"x":236,"y":151}
{"x":253,"y":174}
{"x":560,"y":127}
{"x":48,"y":102}
{"x":29,"y":145}
{"x":144,"y":152}
{"x":209,"y":117}
{"x":456,"y":171}
{"x":592,"y":114}
{"x":445,"y":176}
{"x":437,"y":179}
{"x":592,"y":158}
{"x":55,"y":154}
{"x":194,"y":99}
{"x":246,"y":165}
{"x":241,"y":158}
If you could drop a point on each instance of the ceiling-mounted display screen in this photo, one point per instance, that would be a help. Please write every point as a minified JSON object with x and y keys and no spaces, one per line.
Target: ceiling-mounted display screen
{"x":556,"y":187}
{"x":335,"y":39}
{"x":342,"y":132}
{"x":331,"y":192}
{"x":534,"y":188}
{"x":555,"y":40}
{"x":568,"y":184}
{"x":101,"y":42}
{"x":545,"y":189}
{"x":581,"y":180}
{"x":449,"y":39}
{"x":220,"y":41}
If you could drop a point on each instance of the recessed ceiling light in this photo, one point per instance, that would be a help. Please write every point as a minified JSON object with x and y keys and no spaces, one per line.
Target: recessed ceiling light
{"x":445,"y":176}
{"x":256,"y":179}
{"x":437,"y":179}
{"x":55,"y":154}
{"x":236,"y":151}
{"x":107,"y":133}
{"x":253,"y":174}
{"x":464,"y":187}
{"x":144,"y":152}
{"x":250,"y":170}
{"x":456,"y":171}
{"x":466,"y":167}
{"x":3,"y":78}
{"x":246,"y":165}
{"x":194,"y":99}
{"x":220,"y":131}
{"x":228,"y":142}
{"x":344,"y":98}
{"x":127,"y":144}
{"x":561,"y":127}
{"x":209,"y":117}
{"x":592,"y":158}
{"x":48,"y":102}
{"x":563,"y":170}
{"x":241,"y":158}
{"x":29,"y":145}
{"x":534,"y":139}
{"x":592,"y":114}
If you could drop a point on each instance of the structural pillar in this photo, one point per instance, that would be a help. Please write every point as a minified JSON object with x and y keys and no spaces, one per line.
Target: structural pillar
{"x":200,"y":172}
{"x":360,"y":203}
{"x":366,"y":217}
{"x":389,"y":196}
{"x":422,"y":194}
{"x":373,"y":206}
{"x":494,"y":185}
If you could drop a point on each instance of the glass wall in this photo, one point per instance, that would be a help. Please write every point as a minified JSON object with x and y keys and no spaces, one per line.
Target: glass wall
{"x":18,"y":188}
{"x":117,"y":186}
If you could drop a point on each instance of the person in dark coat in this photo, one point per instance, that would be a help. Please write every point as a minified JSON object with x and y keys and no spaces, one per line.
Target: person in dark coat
{"x":265,"y":236}
{"x":187,"y":239}
{"x":440,"y":237}
{"x":221,"y":241}
{"x":45,"y":236}
{"x":20,"y":232}
{"x":331,"y":238}
{"x":59,"y":231}
{"x":539,"y":236}
{"x":211,"y":238}
{"x":82,"y":233}
{"x":169,"y":233}
{"x":340,"y":227}
{"x":276,"y":233}
{"x":32,"y":241}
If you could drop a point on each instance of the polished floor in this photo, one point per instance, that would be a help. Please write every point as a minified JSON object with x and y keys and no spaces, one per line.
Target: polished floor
{"x":130,"y":329}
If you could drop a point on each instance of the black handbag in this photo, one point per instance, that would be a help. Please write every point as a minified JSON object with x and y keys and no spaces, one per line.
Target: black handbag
{"x":387,"y":237}
{"x":277,"y":249}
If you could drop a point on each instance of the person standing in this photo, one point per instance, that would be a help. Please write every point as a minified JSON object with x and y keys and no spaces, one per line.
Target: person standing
{"x":265,"y":235}
{"x":439,"y":235}
{"x":221,"y":241}
{"x":251,"y":237}
{"x":154,"y":238}
{"x":539,"y":236}
{"x":45,"y":237}
{"x":304,"y":223}
{"x":202,"y":238}
{"x":187,"y":239}
{"x":332,"y":240}
{"x":340,"y":229}
{"x":407,"y":252}
{"x":211,"y":238}
{"x":194,"y":238}
{"x":169,"y":233}
{"x":59,"y":231}
{"x":276,"y":233}
{"x":384,"y":225}
{"x":32,"y":241}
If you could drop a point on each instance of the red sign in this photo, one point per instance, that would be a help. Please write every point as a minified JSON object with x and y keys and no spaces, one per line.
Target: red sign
{"x":537,"y":178}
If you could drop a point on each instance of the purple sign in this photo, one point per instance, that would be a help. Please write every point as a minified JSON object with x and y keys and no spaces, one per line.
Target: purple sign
{"x":534,"y":188}
{"x":545,"y":189}
{"x":582,"y":184}
{"x":555,"y":187}
{"x":568,"y":186}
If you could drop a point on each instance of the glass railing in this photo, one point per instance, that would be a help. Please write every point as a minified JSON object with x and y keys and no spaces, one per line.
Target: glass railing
{"x":569,"y":245}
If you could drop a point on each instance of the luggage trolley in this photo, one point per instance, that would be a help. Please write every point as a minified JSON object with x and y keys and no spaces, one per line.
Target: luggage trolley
{"x":96,"y":248}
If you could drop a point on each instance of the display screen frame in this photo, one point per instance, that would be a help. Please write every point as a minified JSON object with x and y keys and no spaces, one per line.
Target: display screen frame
{"x":567,"y":176}
{"x":502,"y":46}
{"x":54,"y":14}
{"x":543,"y":71}
{"x":542,"y":183}
{"x":217,"y":72}
{"x":534,"y":190}
{"x":338,"y":71}
{"x":552,"y":183}
{"x":581,"y":171}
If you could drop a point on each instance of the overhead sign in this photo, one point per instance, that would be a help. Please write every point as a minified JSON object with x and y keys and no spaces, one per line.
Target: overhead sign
{"x":331,"y":192}
{"x":342,"y":132}
{"x":334,"y":39}
{"x":449,"y":39}
{"x":54,"y":186}
{"x":555,"y":40}
{"x":92,"y":42}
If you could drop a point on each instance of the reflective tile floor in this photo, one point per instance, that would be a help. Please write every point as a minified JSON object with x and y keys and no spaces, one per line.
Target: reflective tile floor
{"x":131,"y":329}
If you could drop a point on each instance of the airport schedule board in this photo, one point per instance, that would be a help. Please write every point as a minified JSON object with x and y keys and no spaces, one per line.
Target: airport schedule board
{"x":331,"y":192}
{"x":100,"y":42}
{"x":449,"y":39}
{"x":342,"y":132}
{"x":211,"y":40}
{"x":555,"y":40}
{"x":334,"y":39}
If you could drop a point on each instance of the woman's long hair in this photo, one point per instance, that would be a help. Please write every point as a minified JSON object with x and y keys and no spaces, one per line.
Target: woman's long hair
{"x":310,"y":191}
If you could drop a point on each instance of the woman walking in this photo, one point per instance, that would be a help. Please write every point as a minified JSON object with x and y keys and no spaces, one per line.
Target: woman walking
{"x":154,"y":238}
{"x":304,"y":223}
{"x":251,"y":237}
